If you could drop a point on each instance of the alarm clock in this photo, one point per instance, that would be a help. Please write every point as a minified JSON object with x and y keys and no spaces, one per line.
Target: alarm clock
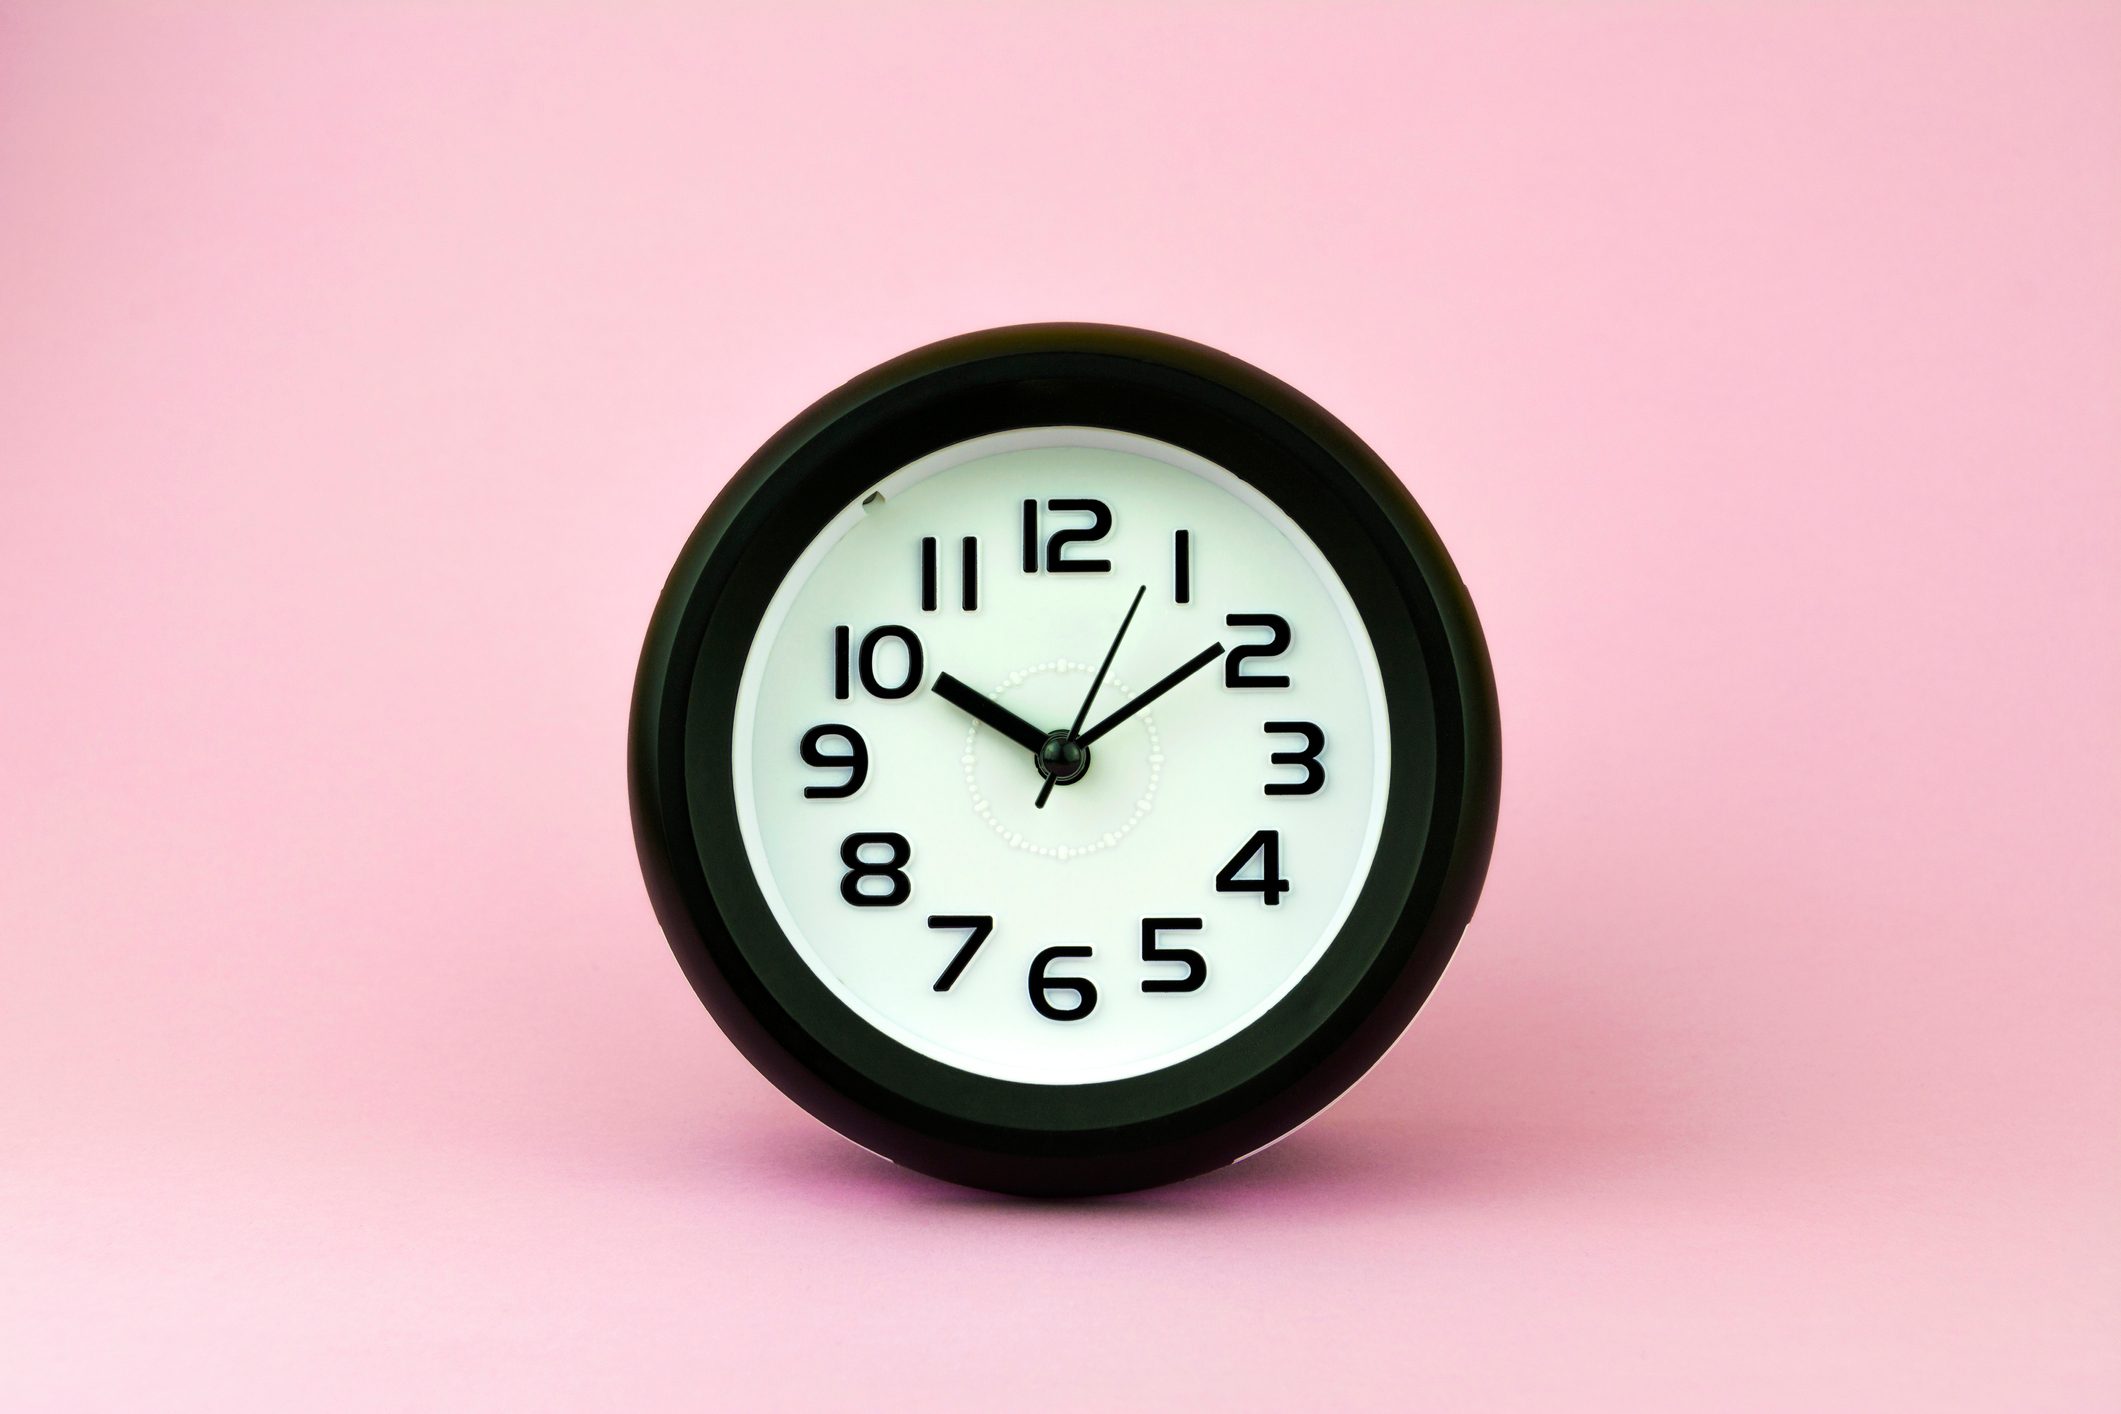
{"x":1063,"y":759}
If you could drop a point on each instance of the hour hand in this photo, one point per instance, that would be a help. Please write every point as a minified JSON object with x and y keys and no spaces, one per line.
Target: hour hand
{"x":986,"y":709}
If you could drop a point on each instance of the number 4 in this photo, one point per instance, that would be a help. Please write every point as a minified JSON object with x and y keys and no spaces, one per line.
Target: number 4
{"x":1270,"y":885}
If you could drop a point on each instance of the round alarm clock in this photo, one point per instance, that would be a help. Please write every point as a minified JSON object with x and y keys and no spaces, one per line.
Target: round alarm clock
{"x":1063,"y":759}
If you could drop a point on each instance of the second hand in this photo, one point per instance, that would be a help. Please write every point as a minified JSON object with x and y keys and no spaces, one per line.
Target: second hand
{"x":1091,"y":696}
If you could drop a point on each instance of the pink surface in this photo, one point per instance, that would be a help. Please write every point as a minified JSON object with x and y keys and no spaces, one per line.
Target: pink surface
{"x":362,"y":369}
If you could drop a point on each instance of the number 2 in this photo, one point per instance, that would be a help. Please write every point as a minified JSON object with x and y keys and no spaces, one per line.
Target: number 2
{"x":1234,"y":674}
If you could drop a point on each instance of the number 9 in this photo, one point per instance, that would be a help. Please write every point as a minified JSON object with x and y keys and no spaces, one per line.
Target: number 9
{"x":854,"y":761}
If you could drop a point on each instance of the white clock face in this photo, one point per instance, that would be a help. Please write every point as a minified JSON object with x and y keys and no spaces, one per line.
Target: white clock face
{"x":1214,"y":840}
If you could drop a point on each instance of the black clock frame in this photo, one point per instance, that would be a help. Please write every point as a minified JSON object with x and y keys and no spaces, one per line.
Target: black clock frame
{"x":1250,"y":1089}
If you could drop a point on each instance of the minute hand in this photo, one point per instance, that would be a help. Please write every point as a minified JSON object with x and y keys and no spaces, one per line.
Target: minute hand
{"x":1162,"y":685}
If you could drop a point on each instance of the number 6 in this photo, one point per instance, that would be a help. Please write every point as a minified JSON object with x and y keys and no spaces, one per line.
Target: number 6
{"x":1041,"y":985}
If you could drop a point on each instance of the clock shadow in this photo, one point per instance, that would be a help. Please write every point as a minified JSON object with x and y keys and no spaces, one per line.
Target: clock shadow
{"x":1508,"y":1092}
{"x":1302,"y":1163}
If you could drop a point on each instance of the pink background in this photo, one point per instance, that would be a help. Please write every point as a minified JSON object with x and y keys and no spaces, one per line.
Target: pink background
{"x":363,"y":367}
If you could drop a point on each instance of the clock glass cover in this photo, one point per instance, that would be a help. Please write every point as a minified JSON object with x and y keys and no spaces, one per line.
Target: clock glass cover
{"x":1226,"y":824}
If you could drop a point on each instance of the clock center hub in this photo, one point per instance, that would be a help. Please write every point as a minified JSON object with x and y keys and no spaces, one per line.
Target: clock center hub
{"x":1063,"y":759}
{"x":1102,"y":808}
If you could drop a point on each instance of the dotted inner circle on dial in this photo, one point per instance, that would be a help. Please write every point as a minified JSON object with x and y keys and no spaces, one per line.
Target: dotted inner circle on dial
{"x":1104,"y":840}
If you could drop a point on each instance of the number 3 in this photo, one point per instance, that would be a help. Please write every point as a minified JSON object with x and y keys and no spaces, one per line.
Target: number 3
{"x":1314,"y":771}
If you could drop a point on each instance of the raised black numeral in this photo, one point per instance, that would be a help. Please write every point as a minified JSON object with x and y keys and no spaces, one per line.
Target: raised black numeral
{"x":1314,"y":769}
{"x":1196,"y":965}
{"x":1057,"y":560}
{"x":978,"y":926}
{"x":865,"y":661}
{"x":854,"y":760}
{"x":1182,"y":566}
{"x":891,"y":869}
{"x":1042,"y":986}
{"x":1234,"y":674}
{"x":968,"y":561}
{"x":1270,"y":885}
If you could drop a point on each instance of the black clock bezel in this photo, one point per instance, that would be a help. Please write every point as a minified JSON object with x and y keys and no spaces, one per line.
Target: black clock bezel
{"x":1252,"y":1088}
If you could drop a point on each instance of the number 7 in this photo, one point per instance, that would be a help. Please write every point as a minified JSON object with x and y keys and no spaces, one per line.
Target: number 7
{"x":981,"y":926}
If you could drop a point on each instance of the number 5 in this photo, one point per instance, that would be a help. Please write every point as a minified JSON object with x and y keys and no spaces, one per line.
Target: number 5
{"x":1196,"y":965}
